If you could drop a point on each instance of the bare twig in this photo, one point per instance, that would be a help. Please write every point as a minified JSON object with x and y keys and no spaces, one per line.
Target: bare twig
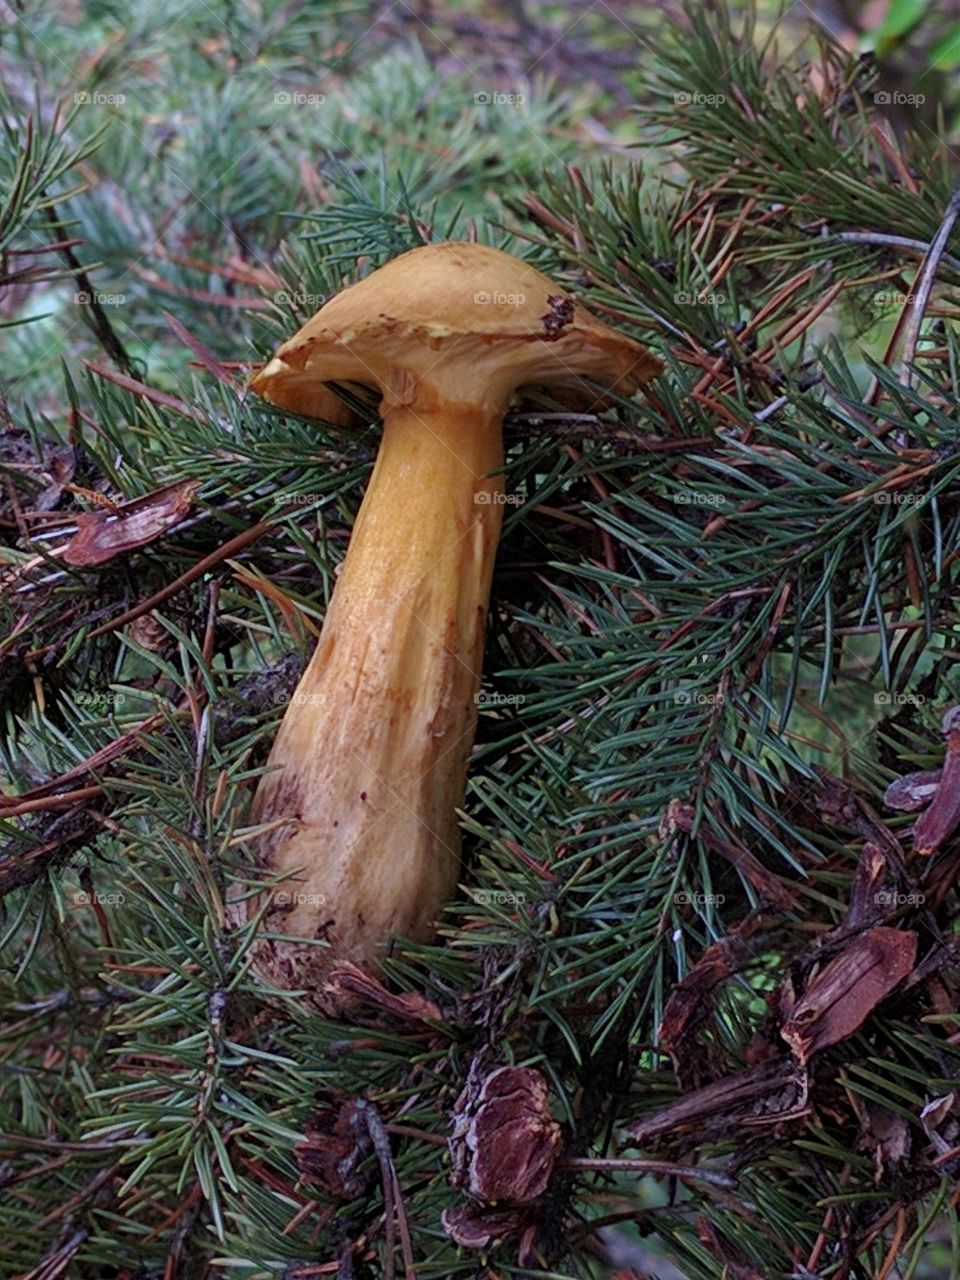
{"x":687,"y":1173}
{"x":394,"y":1212}
{"x":101,"y":324}
{"x":923,"y":286}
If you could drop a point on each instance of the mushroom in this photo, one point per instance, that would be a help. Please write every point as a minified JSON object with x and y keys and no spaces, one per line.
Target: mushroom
{"x":355,"y":820}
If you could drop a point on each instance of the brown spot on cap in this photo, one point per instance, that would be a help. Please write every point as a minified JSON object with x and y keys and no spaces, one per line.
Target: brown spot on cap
{"x":559,"y":316}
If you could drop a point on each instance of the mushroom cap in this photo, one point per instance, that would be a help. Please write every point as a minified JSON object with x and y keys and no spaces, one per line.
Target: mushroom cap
{"x":455,"y":323}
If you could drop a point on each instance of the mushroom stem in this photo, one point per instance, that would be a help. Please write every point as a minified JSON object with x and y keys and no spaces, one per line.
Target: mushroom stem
{"x":372,"y":768}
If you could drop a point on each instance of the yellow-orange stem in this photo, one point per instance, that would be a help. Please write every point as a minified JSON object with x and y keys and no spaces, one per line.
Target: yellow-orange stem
{"x":369,"y":766}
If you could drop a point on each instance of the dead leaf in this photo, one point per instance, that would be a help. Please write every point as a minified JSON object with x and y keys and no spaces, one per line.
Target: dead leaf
{"x":940,"y":821}
{"x":149,"y":633}
{"x":689,"y":1006}
{"x":885,"y":1133}
{"x":939,"y":1119}
{"x":765,"y":1094}
{"x":913,"y":791}
{"x":337,"y":1142}
{"x":843,"y":995}
{"x":44,"y":476}
{"x":475,"y":1226}
{"x":869,"y":893}
{"x":411,"y":1006}
{"x":103,"y":535}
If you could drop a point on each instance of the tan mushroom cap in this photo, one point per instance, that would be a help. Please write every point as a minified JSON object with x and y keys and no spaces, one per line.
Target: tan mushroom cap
{"x":455,"y":323}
